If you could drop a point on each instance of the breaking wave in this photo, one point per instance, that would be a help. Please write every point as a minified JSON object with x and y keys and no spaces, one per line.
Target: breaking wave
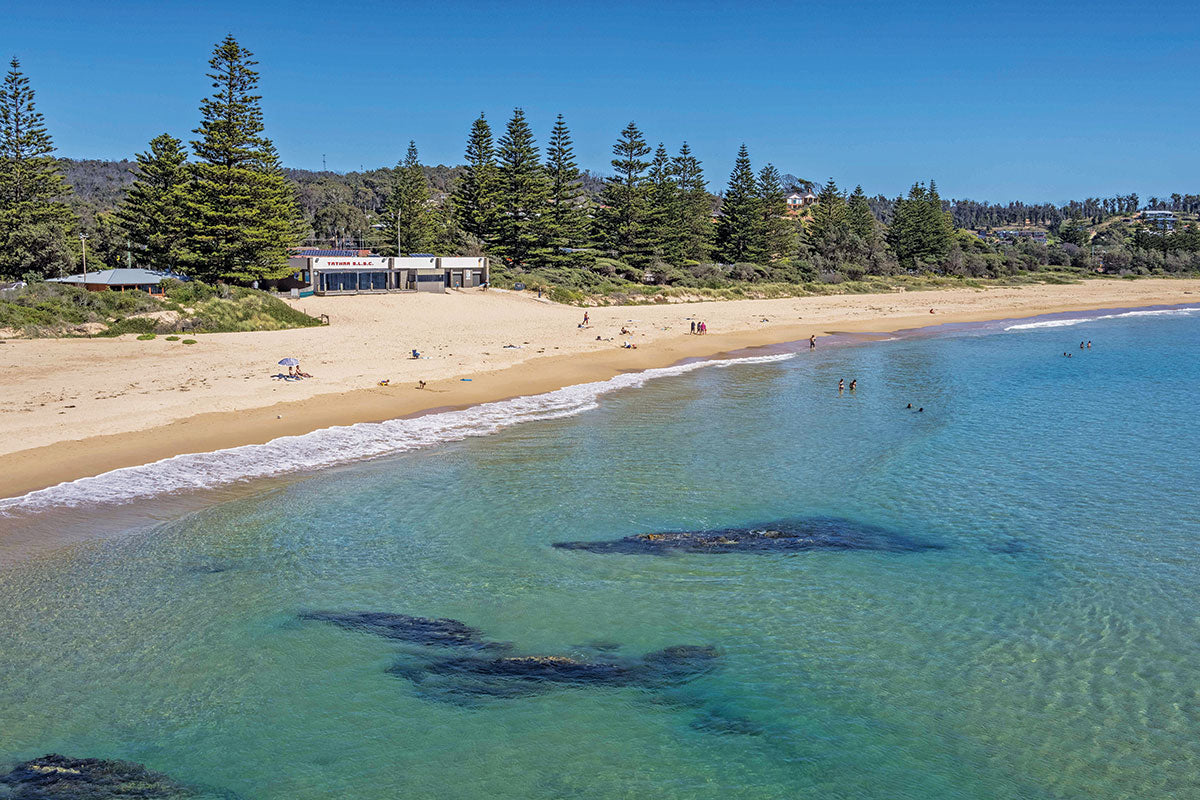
{"x":342,"y":444}
{"x":1064,"y":323}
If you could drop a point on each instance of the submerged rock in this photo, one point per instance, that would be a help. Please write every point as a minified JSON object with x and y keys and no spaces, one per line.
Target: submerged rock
{"x":478,"y":677}
{"x":402,"y":627}
{"x":721,"y":724}
{"x":56,"y":777}
{"x":813,"y":533}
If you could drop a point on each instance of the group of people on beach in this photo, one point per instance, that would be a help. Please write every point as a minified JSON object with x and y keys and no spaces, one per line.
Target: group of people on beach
{"x":297,"y":374}
{"x":699,"y":327}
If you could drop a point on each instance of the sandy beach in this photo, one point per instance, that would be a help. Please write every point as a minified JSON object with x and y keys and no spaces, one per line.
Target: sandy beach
{"x":71,"y":408}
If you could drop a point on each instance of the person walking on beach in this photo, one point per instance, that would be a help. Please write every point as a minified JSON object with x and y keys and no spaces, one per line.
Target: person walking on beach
{"x":812,"y":342}
{"x":693,"y":327}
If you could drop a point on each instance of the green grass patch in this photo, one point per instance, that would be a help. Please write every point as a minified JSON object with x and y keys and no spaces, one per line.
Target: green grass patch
{"x":145,"y":337}
{"x":189,"y":341}
{"x":55,"y":309}
{"x":172,"y":338}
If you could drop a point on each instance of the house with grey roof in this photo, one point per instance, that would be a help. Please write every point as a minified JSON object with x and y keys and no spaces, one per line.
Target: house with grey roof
{"x":120,"y":280}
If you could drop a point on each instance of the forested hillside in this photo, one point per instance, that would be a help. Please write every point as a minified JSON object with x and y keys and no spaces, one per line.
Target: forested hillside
{"x":223,"y":208}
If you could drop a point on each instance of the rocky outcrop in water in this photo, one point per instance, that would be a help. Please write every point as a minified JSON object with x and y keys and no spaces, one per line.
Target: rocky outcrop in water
{"x":813,"y":533}
{"x":56,"y":777}
{"x":402,"y":627}
{"x":485,"y":673}
{"x":472,"y":678}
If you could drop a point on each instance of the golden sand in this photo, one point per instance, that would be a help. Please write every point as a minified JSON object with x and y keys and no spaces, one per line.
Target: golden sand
{"x":70,"y":408}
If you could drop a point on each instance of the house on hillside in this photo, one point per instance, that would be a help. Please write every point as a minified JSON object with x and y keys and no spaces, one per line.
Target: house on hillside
{"x":798,"y":200}
{"x":1013,"y":235}
{"x":1162,"y":220}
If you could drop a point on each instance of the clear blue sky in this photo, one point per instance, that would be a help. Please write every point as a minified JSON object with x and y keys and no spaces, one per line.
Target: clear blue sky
{"x":997,"y":101}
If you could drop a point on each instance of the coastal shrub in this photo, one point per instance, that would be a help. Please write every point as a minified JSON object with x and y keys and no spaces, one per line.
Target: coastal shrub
{"x":172,"y":338}
{"x":56,"y":309}
{"x":189,"y":341}
{"x":139,"y":325}
{"x":145,"y":337}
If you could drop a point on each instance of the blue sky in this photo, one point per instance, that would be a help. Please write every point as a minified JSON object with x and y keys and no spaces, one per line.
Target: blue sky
{"x":997,"y":101}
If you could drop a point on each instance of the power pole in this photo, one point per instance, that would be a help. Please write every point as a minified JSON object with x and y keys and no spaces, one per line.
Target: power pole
{"x":83,"y":241}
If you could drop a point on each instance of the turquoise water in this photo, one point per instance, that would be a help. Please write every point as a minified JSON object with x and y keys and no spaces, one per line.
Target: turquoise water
{"x":1048,"y":650}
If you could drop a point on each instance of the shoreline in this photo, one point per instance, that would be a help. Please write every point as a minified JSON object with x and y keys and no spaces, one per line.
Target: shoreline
{"x":31,"y":469}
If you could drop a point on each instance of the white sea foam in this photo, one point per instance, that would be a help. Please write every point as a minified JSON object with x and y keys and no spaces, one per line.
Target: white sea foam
{"x":339,"y":445}
{"x":1064,"y":323}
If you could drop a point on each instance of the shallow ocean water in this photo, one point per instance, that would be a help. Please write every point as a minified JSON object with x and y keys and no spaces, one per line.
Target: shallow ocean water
{"x":1048,"y":650}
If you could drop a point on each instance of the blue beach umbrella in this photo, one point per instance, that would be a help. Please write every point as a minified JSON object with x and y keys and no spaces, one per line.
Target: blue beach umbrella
{"x":289,"y":362}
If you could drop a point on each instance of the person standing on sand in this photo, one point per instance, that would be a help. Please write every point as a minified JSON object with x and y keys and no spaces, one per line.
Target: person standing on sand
{"x":812,"y":342}
{"x":585,"y":318}
{"x":693,"y":326}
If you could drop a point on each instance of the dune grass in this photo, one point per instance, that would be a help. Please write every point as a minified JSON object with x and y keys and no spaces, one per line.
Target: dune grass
{"x":62,"y":310}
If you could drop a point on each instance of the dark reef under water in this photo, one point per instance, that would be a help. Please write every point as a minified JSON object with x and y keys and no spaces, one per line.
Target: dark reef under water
{"x":58,"y":777}
{"x":405,"y":628}
{"x":784,"y":536}
{"x":471,"y":678}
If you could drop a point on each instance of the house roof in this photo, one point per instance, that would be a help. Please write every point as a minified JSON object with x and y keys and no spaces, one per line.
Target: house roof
{"x":120,"y":277}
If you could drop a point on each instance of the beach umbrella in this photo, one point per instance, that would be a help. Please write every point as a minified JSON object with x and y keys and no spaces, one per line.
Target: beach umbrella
{"x":290,"y":362}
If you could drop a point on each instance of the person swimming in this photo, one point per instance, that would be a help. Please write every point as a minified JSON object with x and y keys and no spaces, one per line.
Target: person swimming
{"x":1081,"y":345}
{"x":1089,"y":347}
{"x":854,"y":384}
{"x":812,"y":342}
{"x":922,"y":408}
{"x":841,"y":385}
{"x":909,"y":405}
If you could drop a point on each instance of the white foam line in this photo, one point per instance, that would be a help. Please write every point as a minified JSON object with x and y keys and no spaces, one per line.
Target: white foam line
{"x":1063,"y":323}
{"x":342,"y":444}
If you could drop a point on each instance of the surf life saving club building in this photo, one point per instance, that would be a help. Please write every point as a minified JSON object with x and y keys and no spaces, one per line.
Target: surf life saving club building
{"x":366,"y":274}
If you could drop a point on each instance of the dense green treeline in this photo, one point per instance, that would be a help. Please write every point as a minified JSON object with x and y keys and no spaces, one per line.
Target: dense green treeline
{"x":222,"y":207}
{"x":230,"y":214}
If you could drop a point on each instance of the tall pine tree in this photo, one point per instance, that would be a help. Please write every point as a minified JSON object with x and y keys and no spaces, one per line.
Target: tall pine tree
{"x":693,"y":223}
{"x":35,"y":223}
{"x":153,"y":213}
{"x":778,"y":231}
{"x":920,"y":232}
{"x":243,"y":215}
{"x":475,"y":195}
{"x":828,"y":229}
{"x":411,"y":225}
{"x":662,"y":195}
{"x":622,"y":220}
{"x":523,"y":191}
{"x":564,"y":223}
{"x":739,"y":230}
{"x":865,"y":229}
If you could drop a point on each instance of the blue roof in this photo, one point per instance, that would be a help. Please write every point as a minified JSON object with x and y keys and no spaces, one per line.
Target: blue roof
{"x":314,"y":252}
{"x":121,"y":277}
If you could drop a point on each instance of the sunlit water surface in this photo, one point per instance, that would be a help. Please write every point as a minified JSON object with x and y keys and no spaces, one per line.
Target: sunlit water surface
{"x":1047,"y":651}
